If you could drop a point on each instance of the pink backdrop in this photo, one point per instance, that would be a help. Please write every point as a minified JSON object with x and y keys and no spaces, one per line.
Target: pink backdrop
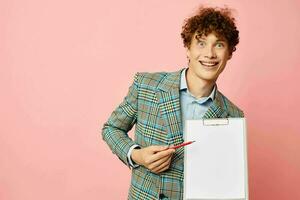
{"x":65,"y":65}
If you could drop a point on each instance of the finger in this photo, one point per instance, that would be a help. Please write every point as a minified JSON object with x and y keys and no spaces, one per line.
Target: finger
{"x":163,"y":169}
{"x":161,"y":154}
{"x":158,"y":162}
{"x":157,"y":148}
{"x":163,"y":165}
{"x":152,"y":158}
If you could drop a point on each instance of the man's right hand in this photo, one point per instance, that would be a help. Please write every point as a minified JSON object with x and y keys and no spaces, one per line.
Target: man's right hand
{"x":155,"y":158}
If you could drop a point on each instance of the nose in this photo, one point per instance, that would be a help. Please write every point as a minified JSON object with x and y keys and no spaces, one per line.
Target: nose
{"x":210,"y":52}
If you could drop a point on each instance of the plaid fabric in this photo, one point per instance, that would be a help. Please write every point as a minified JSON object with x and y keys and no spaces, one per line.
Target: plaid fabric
{"x":153,"y":105}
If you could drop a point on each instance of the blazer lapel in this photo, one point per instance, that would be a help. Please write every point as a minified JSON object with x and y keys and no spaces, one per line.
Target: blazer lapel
{"x":168,"y":97}
{"x":169,"y":104}
{"x":217,"y":109}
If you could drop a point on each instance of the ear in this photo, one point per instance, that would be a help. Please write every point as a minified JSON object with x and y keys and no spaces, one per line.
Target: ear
{"x":188,"y":53}
{"x":230,"y":56}
{"x":230,"y":53}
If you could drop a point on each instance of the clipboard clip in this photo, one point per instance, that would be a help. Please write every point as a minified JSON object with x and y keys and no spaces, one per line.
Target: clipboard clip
{"x":215,"y":122}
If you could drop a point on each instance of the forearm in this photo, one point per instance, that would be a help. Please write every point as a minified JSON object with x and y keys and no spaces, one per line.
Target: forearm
{"x":118,"y":141}
{"x":122,"y":119}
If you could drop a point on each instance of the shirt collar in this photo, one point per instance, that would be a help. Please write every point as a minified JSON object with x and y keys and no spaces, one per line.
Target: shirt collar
{"x":183,"y":85}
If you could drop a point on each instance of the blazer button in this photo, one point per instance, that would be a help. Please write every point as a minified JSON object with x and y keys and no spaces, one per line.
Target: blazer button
{"x":162,"y":196}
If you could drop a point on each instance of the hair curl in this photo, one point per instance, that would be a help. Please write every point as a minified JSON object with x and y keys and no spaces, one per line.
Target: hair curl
{"x":208,"y":20}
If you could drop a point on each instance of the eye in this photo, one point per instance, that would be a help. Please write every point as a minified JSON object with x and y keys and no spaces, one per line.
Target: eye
{"x":220,"y":45}
{"x":201,"y":43}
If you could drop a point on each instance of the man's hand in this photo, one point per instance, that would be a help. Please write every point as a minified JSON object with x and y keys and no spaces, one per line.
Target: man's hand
{"x":155,"y":158}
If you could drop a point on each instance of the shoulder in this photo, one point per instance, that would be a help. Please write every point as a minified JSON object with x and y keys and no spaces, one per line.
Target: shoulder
{"x":151,"y":80}
{"x":230,"y":107}
{"x":151,"y":77}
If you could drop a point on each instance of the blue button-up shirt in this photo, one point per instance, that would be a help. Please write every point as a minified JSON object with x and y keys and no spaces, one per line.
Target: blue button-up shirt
{"x":191,"y":107}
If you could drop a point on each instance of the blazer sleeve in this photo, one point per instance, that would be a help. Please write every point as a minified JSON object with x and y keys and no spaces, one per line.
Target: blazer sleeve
{"x":122,"y":119}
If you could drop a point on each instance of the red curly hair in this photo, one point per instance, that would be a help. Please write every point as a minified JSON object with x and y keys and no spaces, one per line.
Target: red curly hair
{"x":208,"y":20}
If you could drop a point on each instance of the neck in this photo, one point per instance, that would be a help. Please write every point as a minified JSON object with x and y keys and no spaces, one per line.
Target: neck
{"x":197,"y":86}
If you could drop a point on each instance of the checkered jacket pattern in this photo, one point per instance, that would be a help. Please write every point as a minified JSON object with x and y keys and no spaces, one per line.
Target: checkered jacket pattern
{"x":153,"y":106}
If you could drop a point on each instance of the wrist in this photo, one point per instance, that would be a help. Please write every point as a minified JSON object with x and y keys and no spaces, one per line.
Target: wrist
{"x":135,"y":156}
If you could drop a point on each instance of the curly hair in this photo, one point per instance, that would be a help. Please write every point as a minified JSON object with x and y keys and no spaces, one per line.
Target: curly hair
{"x":208,"y":20}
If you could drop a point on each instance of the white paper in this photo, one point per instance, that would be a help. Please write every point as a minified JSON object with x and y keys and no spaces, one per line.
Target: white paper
{"x":216,"y":164}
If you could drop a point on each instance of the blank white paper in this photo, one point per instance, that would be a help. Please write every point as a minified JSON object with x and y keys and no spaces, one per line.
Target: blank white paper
{"x":215,"y":165}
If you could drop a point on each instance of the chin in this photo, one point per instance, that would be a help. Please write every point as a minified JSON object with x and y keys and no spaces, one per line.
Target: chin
{"x":207,"y":78}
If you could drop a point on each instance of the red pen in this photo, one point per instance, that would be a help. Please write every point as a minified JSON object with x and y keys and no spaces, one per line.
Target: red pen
{"x":181,"y":145}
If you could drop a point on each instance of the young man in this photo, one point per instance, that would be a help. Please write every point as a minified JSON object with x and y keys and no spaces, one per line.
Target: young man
{"x":159,"y":103}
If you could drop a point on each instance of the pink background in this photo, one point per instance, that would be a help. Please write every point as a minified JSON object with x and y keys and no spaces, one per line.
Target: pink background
{"x":65,"y":65}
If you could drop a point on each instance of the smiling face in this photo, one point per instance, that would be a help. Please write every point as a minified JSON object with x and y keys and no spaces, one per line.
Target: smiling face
{"x":208,"y":56}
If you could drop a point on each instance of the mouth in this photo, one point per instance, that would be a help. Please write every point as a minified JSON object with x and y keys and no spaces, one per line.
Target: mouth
{"x":209,"y":64}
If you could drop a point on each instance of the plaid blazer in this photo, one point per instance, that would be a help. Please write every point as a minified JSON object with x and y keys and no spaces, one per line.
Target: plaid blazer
{"x":153,"y":106}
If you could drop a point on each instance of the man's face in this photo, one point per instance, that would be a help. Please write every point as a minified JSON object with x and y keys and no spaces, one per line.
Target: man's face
{"x":208,"y":56}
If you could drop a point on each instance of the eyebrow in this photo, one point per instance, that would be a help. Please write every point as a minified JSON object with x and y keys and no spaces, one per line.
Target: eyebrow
{"x":218,"y":40}
{"x":199,"y":37}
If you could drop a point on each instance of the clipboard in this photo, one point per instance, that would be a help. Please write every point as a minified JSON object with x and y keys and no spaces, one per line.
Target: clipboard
{"x":215,"y":166}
